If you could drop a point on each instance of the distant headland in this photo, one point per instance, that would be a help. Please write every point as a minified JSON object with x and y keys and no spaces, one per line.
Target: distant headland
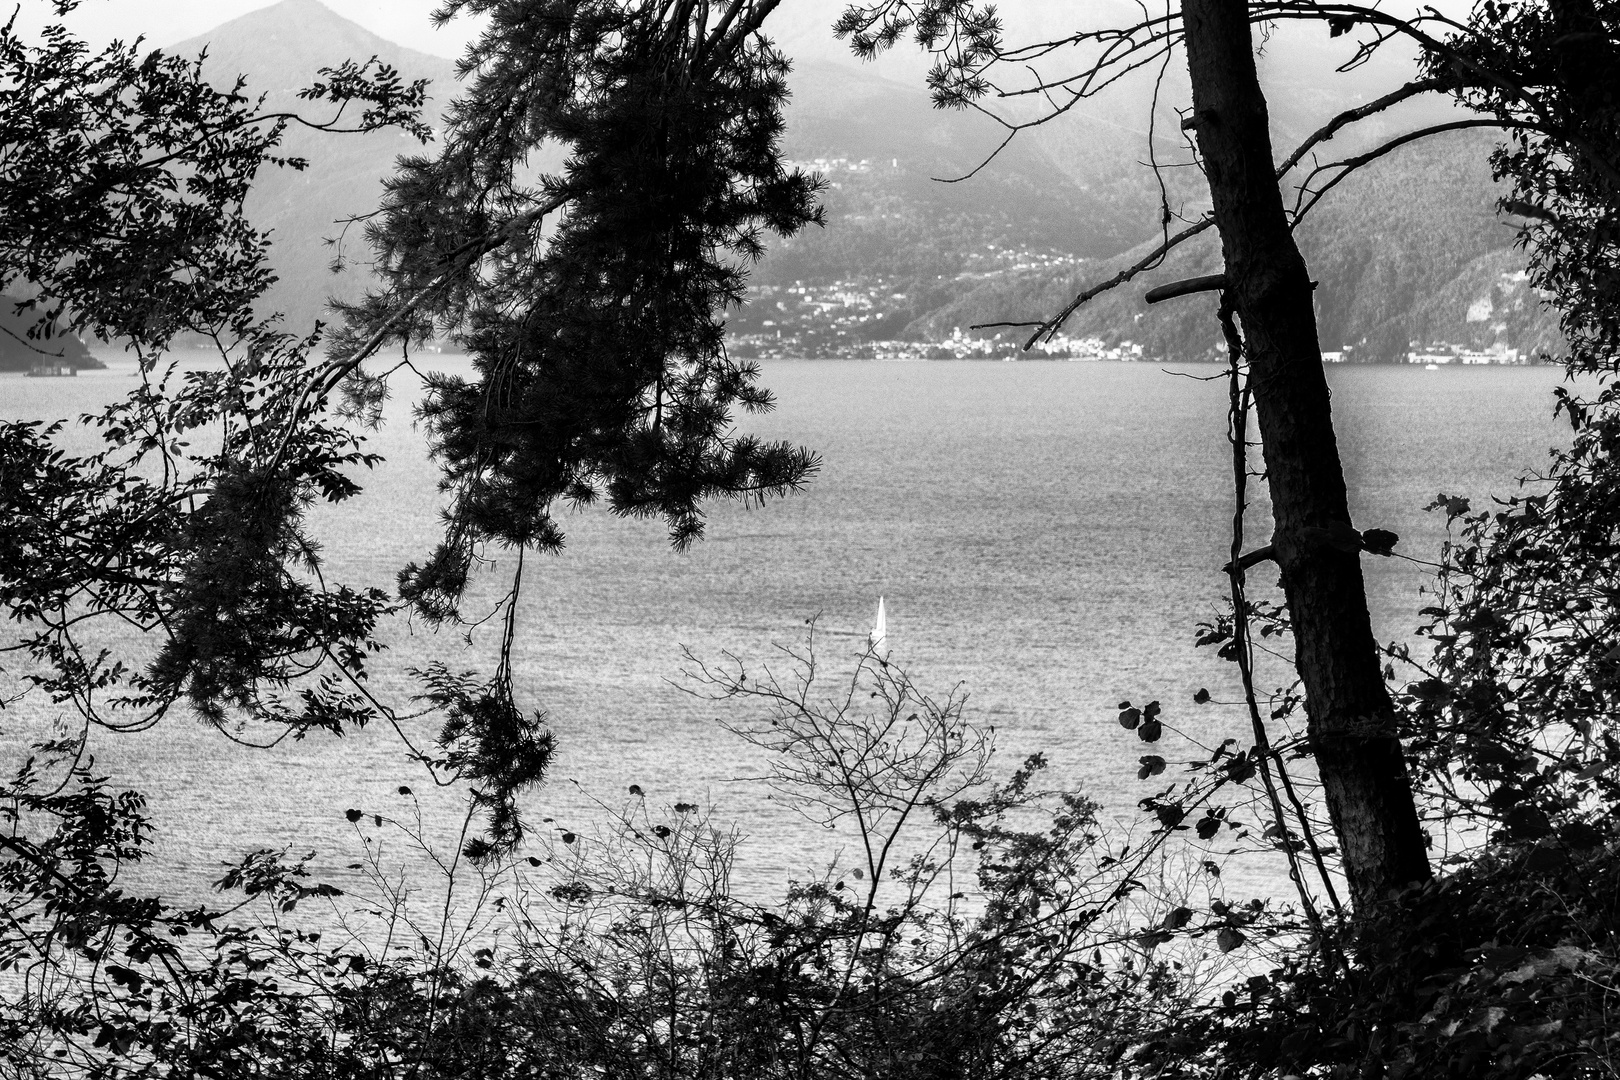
{"x":19,"y":352}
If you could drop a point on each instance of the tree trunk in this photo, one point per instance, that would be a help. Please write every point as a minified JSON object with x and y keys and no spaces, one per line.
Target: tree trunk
{"x":1351,"y":719}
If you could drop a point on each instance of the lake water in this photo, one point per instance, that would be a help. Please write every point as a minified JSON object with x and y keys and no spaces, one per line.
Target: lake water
{"x":1047,"y":534}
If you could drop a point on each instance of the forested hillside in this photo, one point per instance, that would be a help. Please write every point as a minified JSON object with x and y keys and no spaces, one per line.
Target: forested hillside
{"x":1409,"y":250}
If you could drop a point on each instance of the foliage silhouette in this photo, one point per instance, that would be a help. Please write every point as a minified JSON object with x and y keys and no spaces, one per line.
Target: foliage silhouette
{"x":981,"y":929}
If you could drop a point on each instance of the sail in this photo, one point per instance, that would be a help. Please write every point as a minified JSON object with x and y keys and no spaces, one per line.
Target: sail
{"x":880,"y":629}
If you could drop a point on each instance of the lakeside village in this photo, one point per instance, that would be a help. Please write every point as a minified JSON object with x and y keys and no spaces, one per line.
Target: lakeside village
{"x":862,"y":320}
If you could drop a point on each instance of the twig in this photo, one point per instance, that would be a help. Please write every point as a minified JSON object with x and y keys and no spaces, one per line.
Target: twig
{"x":1350,"y":116}
{"x":330,"y":375}
{"x":1302,"y":205}
{"x":1147,"y":262}
{"x":1238,"y":434}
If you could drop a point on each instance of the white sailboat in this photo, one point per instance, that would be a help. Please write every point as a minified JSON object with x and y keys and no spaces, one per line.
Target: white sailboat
{"x":880,"y":629}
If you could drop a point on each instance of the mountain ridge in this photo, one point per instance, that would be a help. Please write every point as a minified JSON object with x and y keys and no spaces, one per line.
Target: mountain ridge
{"x":278,"y":50}
{"x":291,"y":40}
{"x":1398,"y":250}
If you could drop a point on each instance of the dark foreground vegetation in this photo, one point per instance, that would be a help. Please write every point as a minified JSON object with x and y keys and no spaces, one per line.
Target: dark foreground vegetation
{"x":1446,"y":815}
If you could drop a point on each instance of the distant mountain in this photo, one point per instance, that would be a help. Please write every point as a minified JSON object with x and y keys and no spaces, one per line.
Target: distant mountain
{"x":1412,"y":250}
{"x":1409,"y":249}
{"x":280,"y":49}
{"x":897,"y":215}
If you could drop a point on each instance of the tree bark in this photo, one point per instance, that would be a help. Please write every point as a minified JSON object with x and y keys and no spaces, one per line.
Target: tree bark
{"x":1351,"y":718}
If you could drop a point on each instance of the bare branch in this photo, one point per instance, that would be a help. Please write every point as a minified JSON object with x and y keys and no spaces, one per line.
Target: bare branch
{"x":971,"y":173}
{"x":1350,"y":116}
{"x":1488,"y":76}
{"x":1322,"y":134}
{"x":1207,"y":283}
{"x":30,"y":345}
{"x":1250,"y":559}
{"x":1147,"y":262}
{"x":327,"y":377}
{"x":1308,"y":198}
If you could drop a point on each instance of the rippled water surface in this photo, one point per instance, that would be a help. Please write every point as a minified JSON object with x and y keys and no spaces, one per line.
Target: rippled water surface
{"x":1046,"y":534}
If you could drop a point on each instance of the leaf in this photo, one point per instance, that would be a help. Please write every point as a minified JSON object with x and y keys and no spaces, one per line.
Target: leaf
{"x":1177,"y":917}
{"x":1150,"y":710}
{"x":1152,"y":765}
{"x":1129,"y":718}
{"x":1485,"y":1019}
{"x":1150,"y":731}
{"x":123,"y":976}
{"x":1580,"y":836}
{"x":1527,"y":822}
{"x":1379,"y":541}
{"x":635,"y":789}
{"x":1241,"y":769}
{"x":353,"y":815}
{"x":568,"y":838}
{"x":1545,"y":860}
{"x":1229,"y":939}
{"x":403,"y":790}
{"x":1201,"y":697}
{"x":1208,"y":827}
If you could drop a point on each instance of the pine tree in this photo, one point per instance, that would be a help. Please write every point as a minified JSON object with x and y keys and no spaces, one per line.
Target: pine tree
{"x":592,"y":301}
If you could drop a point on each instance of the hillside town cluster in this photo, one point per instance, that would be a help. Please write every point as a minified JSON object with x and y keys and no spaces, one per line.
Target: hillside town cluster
{"x":1448,"y":353}
{"x":1437,"y":353}
{"x":831,"y":168}
{"x":877,"y":318}
{"x":1007,"y":345}
{"x":868,"y":320}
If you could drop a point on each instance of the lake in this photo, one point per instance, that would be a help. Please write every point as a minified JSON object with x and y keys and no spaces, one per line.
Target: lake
{"x":1047,"y":534}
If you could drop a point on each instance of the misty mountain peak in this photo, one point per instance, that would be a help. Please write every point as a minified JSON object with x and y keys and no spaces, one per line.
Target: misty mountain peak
{"x":282,"y":46}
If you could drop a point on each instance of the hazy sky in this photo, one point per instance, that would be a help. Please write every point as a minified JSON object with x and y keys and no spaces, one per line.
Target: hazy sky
{"x":166,"y":21}
{"x":803,"y":27}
